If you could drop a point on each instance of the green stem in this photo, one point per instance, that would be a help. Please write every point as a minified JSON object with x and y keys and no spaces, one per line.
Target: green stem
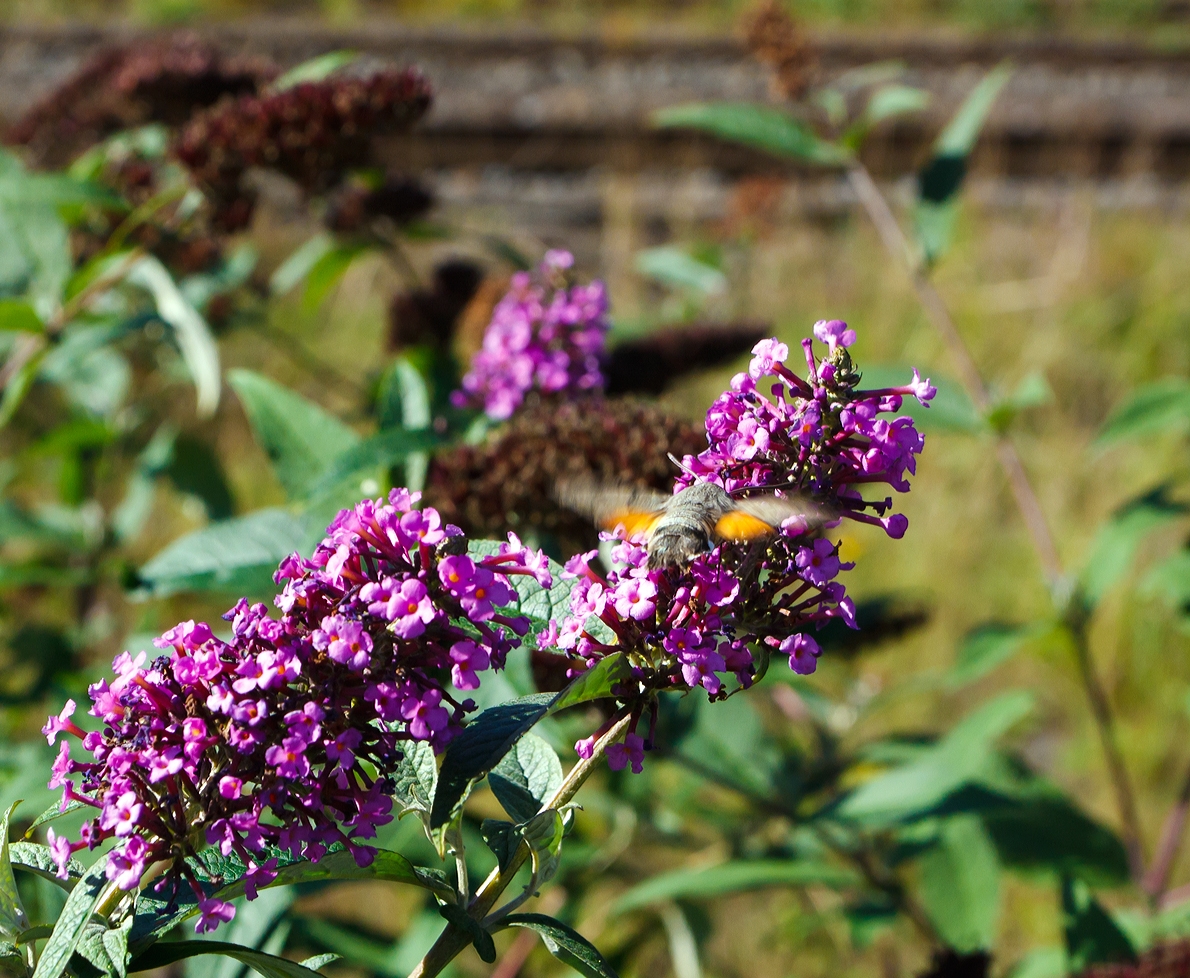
{"x":451,"y":942}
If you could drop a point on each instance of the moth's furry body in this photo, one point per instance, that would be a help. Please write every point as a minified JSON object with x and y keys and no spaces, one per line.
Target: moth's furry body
{"x":687,"y":524}
{"x":679,"y":527}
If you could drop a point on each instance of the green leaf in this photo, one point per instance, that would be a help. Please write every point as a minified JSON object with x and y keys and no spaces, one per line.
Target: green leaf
{"x":156,"y":913}
{"x":390,"y":867}
{"x":1153,"y":408}
{"x":1043,"y":962}
{"x":35,"y":858}
{"x":480,"y":747}
{"x":544,"y":833}
{"x":502,"y":838}
{"x":1092,"y":937}
{"x":380,"y":450}
{"x":732,"y":877}
{"x":327,"y":272}
{"x":196,"y":470}
{"x":257,"y":924}
{"x":12,"y":961}
{"x":300,"y":438}
{"x":68,"y":931}
{"x":1170,"y":580}
{"x":534,"y":600}
{"x":893,"y":100}
{"x":297,"y":266}
{"x":987,"y":647}
{"x":1033,"y":391}
{"x":269,"y":965}
{"x":673,"y":267}
{"x":565,"y":944}
{"x":315,"y":69}
{"x":456,"y":915}
{"x":933,"y":226}
{"x":416,"y":779}
{"x":1117,"y":541}
{"x":960,"y":885}
{"x":198,"y":346}
{"x":957,"y":759}
{"x":12,"y":914}
{"x":1046,"y":831}
{"x":526,"y":776}
{"x":233,"y":555}
{"x":596,"y":683}
{"x":317,"y":961}
{"x":754,"y":125}
{"x":960,"y":134}
{"x":19,"y":316}
{"x":105,"y":948}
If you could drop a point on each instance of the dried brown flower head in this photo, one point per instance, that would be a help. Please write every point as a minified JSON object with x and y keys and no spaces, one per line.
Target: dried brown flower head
{"x":313,"y":132}
{"x":164,"y":81}
{"x":508,"y":482}
{"x":778,"y":42}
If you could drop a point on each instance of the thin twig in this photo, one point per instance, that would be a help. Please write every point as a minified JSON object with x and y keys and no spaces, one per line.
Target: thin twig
{"x":452,"y":941}
{"x":1027,"y":502}
{"x":1157,"y":880}
{"x":935,"y":306}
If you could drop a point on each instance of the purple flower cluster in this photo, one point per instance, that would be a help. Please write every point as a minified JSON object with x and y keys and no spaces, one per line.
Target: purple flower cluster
{"x":546,"y":335}
{"x":724,"y":613}
{"x":255,"y":744}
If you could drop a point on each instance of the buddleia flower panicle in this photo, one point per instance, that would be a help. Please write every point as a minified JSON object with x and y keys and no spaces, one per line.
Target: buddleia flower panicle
{"x":257,"y":744}
{"x":547,"y":335}
{"x":820,"y":438}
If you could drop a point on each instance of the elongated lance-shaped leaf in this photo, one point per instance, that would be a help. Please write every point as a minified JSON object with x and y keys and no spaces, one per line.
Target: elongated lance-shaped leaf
{"x":565,"y":943}
{"x":960,"y":134}
{"x":960,"y":885}
{"x":237,"y":555}
{"x":528,"y":775}
{"x":733,"y":877}
{"x":315,"y":69}
{"x":1154,"y":408}
{"x":35,"y":858}
{"x":1092,"y":937}
{"x":464,"y":922}
{"x":479,"y":748}
{"x":153,"y":920}
{"x":55,"y":811}
{"x":757,"y":126}
{"x":297,"y":266}
{"x":300,"y":438}
{"x":80,"y":905}
{"x":382,"y":449}
{"x":269,"y":965}
{"x":596,"y":683}
{"x":198,"y":346}
{"x":1116,"y":543}
{"x":12,"y":914}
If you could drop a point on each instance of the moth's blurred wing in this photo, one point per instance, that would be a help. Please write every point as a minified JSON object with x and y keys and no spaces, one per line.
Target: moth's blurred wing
{"x":760,"y":516}
{"x":634,"y":521}
{"x":608,"y":506}
{"x":740,"y":527}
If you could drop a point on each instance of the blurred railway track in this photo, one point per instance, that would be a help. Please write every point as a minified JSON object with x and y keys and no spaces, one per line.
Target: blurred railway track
{"x":526,"y":101}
